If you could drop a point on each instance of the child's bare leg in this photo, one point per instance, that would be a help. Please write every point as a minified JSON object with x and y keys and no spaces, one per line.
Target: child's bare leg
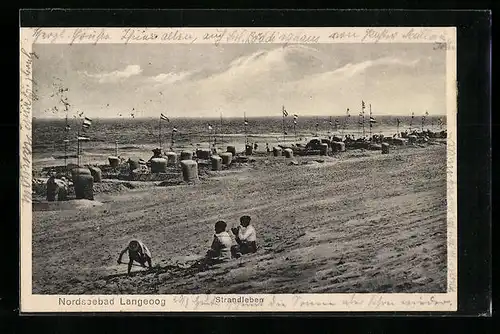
{"x":130,"y":261}
{"x":129,"y":267}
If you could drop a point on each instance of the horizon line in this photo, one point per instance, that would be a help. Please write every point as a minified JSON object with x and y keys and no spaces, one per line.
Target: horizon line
{"x":233,"y":117}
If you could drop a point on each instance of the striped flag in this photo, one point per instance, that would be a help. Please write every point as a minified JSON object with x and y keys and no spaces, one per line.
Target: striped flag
{"x":87,"y":122}
{"x":285,"y":113}
{"x":372,"y":120}
{"x":295,"y":116}
{"x":246,"y":122}
{"x":164,"y":118}
{"x":83,"y":138}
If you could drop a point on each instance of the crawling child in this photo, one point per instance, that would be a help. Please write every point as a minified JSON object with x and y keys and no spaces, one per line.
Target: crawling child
{"x":137,"y":251}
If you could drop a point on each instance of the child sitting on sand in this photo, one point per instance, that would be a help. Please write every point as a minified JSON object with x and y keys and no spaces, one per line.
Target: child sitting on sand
{"x":246,"y":237}
{"x":137,"y":251}
{"x":222,"y":247}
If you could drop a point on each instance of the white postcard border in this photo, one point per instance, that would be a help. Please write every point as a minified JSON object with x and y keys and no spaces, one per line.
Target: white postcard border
{"x":442,"y":37}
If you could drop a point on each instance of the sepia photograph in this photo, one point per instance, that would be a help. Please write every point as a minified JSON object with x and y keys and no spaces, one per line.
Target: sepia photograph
{"x":236,"y":170}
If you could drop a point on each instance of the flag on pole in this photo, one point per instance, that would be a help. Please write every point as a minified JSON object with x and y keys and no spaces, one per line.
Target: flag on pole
{"x":164,"y":118}
{"x":83,"y":138}
{"x":285,"y":113}
{"x":363,"y":104}
{"x":372,"y":120}
{"x":295,"y":116}
{"x":87,"y":122}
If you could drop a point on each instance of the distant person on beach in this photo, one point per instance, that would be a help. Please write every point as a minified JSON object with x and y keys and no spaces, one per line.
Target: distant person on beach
{"x":222,"y":247}
{"x":255,"y":146}
{"x":267,"y":148}
{"x":156,"y":154}
{"x":137,"y":251}
{"x":246,"y":237}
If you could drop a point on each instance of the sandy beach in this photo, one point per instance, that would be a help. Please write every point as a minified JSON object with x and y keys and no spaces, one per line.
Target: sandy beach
{"x":360,"y":221}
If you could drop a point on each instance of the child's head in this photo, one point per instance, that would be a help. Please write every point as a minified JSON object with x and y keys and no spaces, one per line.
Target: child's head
{"x":220,"y":226}
{"x":134,"y":245}
{"x":245,"y":221}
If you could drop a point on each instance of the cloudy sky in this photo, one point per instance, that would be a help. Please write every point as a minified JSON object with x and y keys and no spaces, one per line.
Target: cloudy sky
{"x":206,"y":80}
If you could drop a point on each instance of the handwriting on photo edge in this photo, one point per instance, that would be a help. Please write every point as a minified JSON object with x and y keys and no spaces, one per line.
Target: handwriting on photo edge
{"x":300,"y":302}
{"x":243,"y":35}
{"x":27,"y":96}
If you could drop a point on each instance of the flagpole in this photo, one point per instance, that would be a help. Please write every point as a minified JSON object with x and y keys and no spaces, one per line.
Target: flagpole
{"x":363,"y":119}
{"x":295,"y":130}
{"x":159,"y":132}
{"x":245,"y":127}
{"x":423,"y":120}
{"x":66,"y":145}
{"x":215,"y":135}
{"x":411,"y":121}
{"x":78,"y":148}
{"x":65,"y":154}
{"x":283,"y":115}
{"x":370,"y":120}
{"x":116,"y":148}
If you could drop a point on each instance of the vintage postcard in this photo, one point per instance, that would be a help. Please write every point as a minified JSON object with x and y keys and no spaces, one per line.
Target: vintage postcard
{"x":238,"y":169}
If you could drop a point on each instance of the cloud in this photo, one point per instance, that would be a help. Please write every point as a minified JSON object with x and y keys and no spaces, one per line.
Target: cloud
{"x":114,"y":76}
{"x":167,"y":78}
{"x":350,"y":70}
{"x":296,"y":58}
